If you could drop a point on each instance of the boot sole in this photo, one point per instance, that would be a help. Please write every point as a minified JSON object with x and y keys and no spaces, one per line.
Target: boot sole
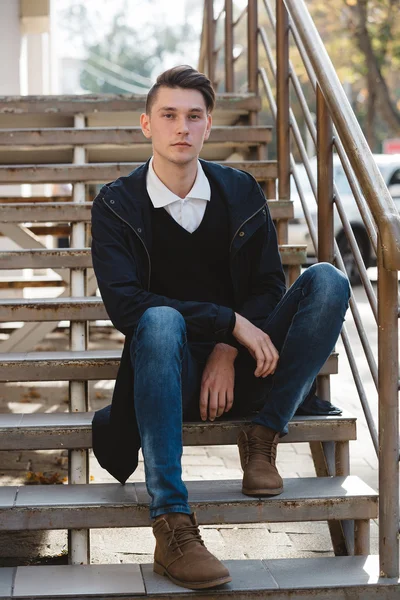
{"x":192,"y":585}
{"x":263,"y":492}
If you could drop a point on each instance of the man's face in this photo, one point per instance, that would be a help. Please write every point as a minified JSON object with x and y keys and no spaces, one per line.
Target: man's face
{"x":177,"y":125}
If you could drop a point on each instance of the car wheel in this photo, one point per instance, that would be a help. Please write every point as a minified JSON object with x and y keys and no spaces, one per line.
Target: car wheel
{"x":347,"y":255}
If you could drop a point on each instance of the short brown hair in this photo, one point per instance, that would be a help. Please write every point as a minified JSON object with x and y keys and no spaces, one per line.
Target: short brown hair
{"x":185,"y":77}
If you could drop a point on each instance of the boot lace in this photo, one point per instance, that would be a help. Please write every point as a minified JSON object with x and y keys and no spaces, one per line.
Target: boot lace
{"x":258,"y":446}
{"x":182,"y":535}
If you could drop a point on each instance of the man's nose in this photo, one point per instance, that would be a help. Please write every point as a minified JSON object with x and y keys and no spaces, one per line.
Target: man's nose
{"x":182,"y":125}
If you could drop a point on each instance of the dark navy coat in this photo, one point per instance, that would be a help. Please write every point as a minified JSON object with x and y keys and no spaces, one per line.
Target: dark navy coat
{"x":121,"y":251}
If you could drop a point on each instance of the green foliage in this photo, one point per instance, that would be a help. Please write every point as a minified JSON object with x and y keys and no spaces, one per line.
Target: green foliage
{"x":123,"y":58}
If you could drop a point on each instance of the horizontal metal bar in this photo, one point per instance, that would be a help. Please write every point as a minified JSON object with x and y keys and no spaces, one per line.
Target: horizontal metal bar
{"x":100,"y":172}
{"x":48,"y":431}
{"x":119,"y":136}
{"x":80,"y":366}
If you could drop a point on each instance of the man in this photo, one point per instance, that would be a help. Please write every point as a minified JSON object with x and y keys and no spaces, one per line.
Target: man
{"x":187,"y":263}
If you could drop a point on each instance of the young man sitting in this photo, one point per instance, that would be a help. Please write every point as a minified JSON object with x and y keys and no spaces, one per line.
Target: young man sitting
{"x":188,"y":267}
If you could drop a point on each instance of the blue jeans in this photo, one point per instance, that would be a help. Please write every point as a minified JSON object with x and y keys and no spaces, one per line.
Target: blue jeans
{"x":304,"y":327}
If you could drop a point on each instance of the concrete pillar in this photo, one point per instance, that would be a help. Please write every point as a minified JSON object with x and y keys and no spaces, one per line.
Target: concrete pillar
{"x":10,"y":47}
{"x":35,"y":25}
{"x":10,"y":71}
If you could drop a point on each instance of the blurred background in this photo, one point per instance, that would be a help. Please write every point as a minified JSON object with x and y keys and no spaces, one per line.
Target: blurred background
{"x":77,"y":46}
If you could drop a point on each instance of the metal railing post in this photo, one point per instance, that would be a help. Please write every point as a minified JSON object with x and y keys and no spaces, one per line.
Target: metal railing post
{"x":79,"y":539}
{"x":325,"y":180}
{"x":229,"y":73}
{"x":210,"y":40}
{"x":282,"y":96}
{"x":388,"y":419}
{"x":252,"y":53}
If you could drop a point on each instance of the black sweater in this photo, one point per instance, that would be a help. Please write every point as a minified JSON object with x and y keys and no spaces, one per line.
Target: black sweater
{"x":193,"y":266}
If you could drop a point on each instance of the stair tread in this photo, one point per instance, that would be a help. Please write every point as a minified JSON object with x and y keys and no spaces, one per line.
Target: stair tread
{"x":274,"y":577}
{"x":107,"y":171}
{"x":67,"y":355}
{"x":100,"y":505}
{"x":127,"y":136}
{"x":84,"y":419}
{"x":82,"y":365}
{"x":225,"y":490}
{"x":82,"y":257}
{"x":60,"y":212}
{"x":54,"y":145}
{"x":74,"y":430}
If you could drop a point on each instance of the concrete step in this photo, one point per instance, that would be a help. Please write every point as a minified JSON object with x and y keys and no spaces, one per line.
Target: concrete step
{"x":333,"y":578}
{"x":80,"y":366}
{"x":53,"y":431}
{"x":81,"y":258}
{"x":105,"y":505}
{"x":114,"y":144}
{"x":72,"y":212}
{"x":100,"y":172}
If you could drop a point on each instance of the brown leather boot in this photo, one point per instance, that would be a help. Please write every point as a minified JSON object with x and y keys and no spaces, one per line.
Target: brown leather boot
{"x":181,"y":555}
{"x":257,"y":449}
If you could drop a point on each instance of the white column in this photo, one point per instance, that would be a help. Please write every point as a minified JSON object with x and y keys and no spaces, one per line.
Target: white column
{"x":10,"y":48}
{"x":36,"y":63}
{"x":10,"y":51}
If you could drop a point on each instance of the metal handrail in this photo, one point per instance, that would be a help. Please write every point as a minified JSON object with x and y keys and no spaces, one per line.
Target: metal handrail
{"x":353,"y":305}
{"x":379,"y":200}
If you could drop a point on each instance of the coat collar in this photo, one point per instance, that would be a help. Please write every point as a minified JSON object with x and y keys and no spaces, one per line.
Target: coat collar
{"x":128,"y":197}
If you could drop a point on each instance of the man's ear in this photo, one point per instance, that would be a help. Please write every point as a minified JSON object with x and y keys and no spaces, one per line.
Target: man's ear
{"x":209,"y":124}
{"x":145,"y":125}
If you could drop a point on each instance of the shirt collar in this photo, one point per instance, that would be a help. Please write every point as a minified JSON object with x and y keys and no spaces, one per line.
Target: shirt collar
{"x":161,"y":196}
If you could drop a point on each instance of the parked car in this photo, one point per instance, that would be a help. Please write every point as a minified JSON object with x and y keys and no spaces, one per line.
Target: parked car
{"x":389,"y":166}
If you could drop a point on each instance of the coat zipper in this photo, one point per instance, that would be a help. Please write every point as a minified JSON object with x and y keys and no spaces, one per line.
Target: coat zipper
{"x":134,"y":230}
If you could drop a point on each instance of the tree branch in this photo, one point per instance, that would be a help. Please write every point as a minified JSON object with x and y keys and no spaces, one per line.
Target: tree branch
{"x":386,"y":105}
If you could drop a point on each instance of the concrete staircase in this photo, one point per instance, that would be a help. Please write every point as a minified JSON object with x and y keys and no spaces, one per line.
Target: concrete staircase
{"x":87,"y":140}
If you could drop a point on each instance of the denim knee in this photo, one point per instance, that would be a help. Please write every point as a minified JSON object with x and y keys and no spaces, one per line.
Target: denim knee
{"x":330,"y":281}
{"x":159,"y":328}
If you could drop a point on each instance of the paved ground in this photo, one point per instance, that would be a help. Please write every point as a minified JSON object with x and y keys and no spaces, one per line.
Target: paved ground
{"x":226,"y":541}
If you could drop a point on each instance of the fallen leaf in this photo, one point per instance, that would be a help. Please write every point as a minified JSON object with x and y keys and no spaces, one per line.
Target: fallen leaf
{"x":39,"y":478}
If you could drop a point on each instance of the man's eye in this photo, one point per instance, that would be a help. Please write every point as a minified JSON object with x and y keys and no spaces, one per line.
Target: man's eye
{"x":194,"y":117}
{"x":168,"y":115}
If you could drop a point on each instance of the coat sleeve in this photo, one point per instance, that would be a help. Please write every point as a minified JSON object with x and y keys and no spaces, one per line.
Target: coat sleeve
{"x":125,"y":297}
{"x":267,"y":280}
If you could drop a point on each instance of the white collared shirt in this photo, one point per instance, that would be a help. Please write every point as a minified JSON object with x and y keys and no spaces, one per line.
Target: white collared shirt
{"x":189,"y":211}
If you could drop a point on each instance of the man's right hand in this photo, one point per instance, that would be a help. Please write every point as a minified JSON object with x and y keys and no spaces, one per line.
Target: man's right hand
{"x":258,"y":344}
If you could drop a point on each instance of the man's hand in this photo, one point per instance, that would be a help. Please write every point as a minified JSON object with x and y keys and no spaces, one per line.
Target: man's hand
{"x":258,"y":344}
{"x":216,"y":395}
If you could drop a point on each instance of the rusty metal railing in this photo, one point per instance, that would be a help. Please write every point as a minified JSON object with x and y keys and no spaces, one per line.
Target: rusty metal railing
{"x":337,"y":130}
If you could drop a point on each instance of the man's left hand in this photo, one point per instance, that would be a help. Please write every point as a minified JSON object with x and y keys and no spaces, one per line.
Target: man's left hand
{"x":217,"y":385}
